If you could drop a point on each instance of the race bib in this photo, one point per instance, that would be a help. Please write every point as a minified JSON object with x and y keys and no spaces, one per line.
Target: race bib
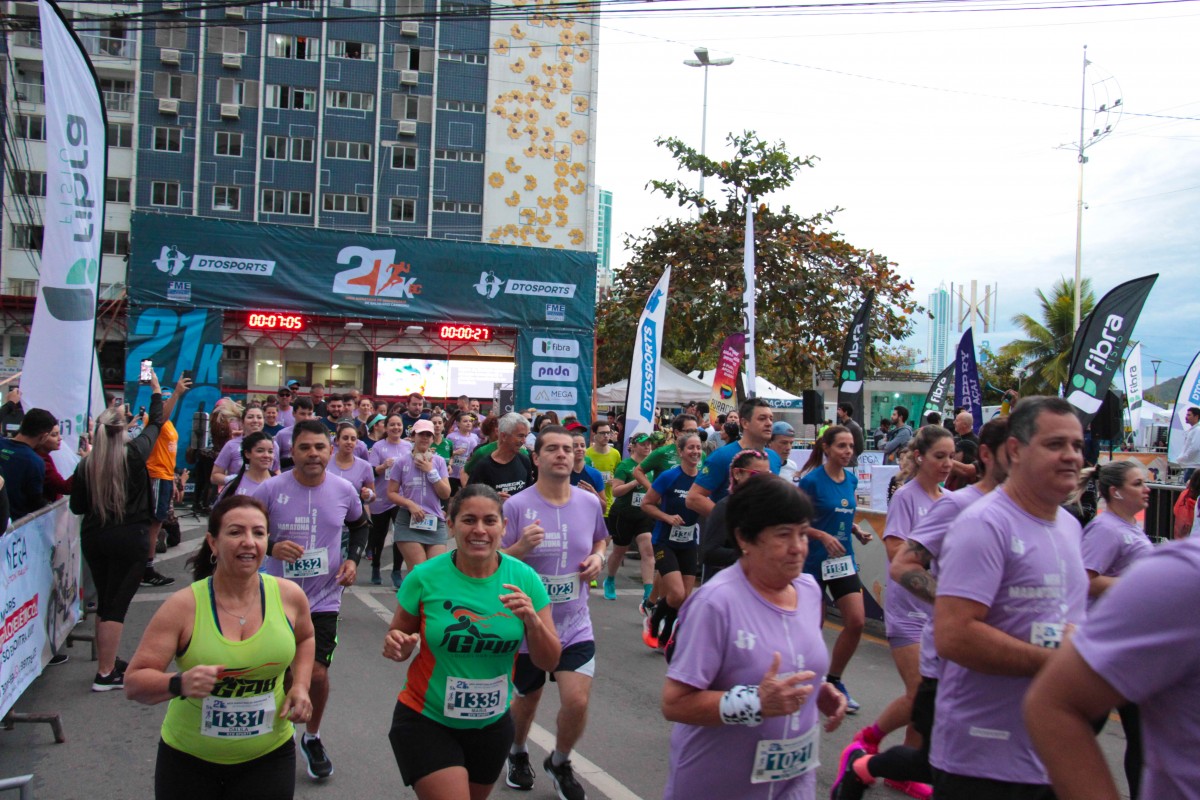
{"x":683,"y":534}
{"x":606,"y":475}
{"x":561,"y":588}
{"x":313,"y":563}
{"x":468,"y":698}
{"x":785,"y":759}
{"x":237,"y":717}
{"x":833,"y":568}
{"x":429,"y":523}
{"x":1047,"y":634}
{"x":638,"y":497}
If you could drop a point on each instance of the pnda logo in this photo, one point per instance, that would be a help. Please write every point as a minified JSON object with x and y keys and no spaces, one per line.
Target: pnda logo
{"x":489,"y":285}
{"x":170,"y":260}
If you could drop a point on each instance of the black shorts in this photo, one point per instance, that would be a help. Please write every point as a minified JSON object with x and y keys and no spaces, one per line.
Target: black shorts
{"x":325,"y":626}
{"x":924,"y":704}
{"x":631,"y":523}
{"x":838,"y":587}
{"x":669,"y":559}
{"x":181,"y":776}
{"x":947,"y":786}
{"x":579,"y":657}
{"x":610,"y":523}
{"x":422,"y":747}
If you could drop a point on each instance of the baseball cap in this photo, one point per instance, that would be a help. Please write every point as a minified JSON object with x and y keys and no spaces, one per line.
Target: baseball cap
{"x":422,"y":426}
{"x":642,"y":437}
{"x":782,"y":429}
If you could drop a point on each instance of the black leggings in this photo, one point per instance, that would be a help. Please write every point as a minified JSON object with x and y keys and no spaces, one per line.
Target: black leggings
{"x":1132,"y":726}
{"x":381,"y":523}
{"x":902,"y":763}
{"x":179,"y":776}
{"x":117,"y":559}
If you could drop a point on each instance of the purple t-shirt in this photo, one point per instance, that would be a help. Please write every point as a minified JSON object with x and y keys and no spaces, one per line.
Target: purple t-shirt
{"x":287,"y":417}
{"x":1111,"y":545}
{"x":1153,"y":659}
{"x":283,"y":442}
{"x":380,"y":452}
{"x":415,"y":485}
{"x":359,"y":473}
{"x":727,"y":635}
{"x":572,"y":531}
{"x":467,"y":443}
{"x":1029,"y":574}
{"x":230,"y":457}
{"x":930,"y":533}
{"x":311,"y":516}
{"x":903,"y":614}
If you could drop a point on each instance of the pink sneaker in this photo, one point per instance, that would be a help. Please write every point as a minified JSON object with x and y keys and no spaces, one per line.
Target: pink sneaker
{"x":920,"y":791}
{"x":851,"y":754}
{"x":868,"y":740}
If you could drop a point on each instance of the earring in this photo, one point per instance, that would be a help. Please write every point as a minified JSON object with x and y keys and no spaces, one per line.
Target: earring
{"x":212,"y":559}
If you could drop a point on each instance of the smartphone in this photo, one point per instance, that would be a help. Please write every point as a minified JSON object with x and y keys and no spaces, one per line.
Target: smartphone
{"x":147,"y":372}
{"x":187,"y":375}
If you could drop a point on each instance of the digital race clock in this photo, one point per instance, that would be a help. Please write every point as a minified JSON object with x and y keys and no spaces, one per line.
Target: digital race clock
{"x":465,"y":333}
{"x":274,"y":321}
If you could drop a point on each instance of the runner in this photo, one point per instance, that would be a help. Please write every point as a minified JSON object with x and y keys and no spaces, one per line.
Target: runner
{"x":1011,"y":582}
{"x":831,"y":486}
{"x":307,"y":508}
{"x":665,"y":457}
{"x":348,"y":465}
{"x":558,"y":530}
{"x":335,"y":412}
{"x":626,"y":521}
{"x":229,"y":460}
{"x":231,"y":615}
{"x":382,"y":457}
{"x":418,"y":483}
{"x":258,"y":454}
{"x":757,"y":421}
{"x":463,"y":442}
{"x":441,"y":445}
{"x":718,"y":547}
{"x":783,"y":436}
{"x":285,"y":396}
{"x":303,"y":409}
{"x":742,"y":729}
{"x":604,"y":458}
{"x":584,"y":474}
{"x":474,"y":607}
{"x":506,"y":468}
{"x":676,"y":538}
{"x":271,"y":425}
{"x":414,"y":411}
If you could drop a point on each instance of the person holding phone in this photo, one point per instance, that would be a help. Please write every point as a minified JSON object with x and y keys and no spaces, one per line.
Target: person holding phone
{"x":161,"y":466}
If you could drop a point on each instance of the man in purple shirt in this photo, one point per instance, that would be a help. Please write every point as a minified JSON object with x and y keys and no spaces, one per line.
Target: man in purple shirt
{"x":306,"y":509}
{"x":1011,"y":585}
{"x":559,"y":530}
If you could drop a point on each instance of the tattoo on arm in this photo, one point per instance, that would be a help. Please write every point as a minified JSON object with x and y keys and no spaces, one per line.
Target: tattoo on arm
{"x":923,"y":555}
{"x":920,"y":583}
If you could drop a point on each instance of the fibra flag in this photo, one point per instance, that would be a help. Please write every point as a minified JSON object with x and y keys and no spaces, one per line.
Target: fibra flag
{"x":938,"y":390}
{"x":748,"y":298}
{"x":1189,"y":396}
{"x":854,"y":358}
{"x":60,"y":359}
{"x":724,"y":388}
{"x":1133,"y":385}
{"x":1100,"y":343}
{"x":642,"y":393}
{"x":967,"y":391}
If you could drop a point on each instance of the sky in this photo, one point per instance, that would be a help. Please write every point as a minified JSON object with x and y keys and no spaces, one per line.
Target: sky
{"x":947,"y":139}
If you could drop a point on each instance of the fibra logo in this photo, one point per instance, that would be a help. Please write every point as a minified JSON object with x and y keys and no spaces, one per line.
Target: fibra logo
{"x":377,"y":274}
{"x":1097,"y":363}
{"x":850,"y":382}
{"x":555,"y":348}
{"x":745,"y":640}
{"x":489,"y":285}
{"x":170,"y":260}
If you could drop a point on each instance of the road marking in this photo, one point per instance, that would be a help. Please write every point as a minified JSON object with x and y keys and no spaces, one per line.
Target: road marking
{"x":378,"y":608}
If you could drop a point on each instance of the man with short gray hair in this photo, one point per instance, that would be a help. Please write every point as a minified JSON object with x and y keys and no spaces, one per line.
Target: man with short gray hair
{"x":506,"y":469}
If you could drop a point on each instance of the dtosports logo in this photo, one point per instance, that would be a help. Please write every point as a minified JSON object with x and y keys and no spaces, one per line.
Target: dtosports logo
{"x":649,"y":388}
{"x":377,"y":274}
{"x":171,"y":261}
{"x":489,"y":286}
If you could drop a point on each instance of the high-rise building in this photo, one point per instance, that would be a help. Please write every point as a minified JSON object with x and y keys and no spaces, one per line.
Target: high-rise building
{"x":938,"y":350}
{"x":604,"y":273}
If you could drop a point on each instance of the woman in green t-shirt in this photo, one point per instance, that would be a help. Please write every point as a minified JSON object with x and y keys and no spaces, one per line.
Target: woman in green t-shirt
{"x":451,"y":729}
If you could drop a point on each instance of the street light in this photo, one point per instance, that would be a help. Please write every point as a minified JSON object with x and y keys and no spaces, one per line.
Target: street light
{"x":702,"y":60}
{"x":1155,"y":362}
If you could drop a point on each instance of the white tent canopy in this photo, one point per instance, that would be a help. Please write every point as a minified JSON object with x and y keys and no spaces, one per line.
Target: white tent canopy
{"x":762,"y":387}
{"x":674,"y":389}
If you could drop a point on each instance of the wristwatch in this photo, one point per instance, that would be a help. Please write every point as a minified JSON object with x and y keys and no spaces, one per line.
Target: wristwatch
{"x":175,"y":684}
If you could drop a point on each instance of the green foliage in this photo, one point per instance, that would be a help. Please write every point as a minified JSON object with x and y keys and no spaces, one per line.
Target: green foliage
{"x":1046,"y":350}
{"x":1000,"y":371}
{"x":809,"y":280}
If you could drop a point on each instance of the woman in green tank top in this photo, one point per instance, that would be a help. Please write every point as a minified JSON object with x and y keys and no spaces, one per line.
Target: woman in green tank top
{"x":232,"y":634}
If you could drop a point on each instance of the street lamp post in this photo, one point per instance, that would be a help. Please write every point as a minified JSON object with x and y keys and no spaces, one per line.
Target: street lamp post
{"x":702,"y":60}
{"x":1155,"y":362}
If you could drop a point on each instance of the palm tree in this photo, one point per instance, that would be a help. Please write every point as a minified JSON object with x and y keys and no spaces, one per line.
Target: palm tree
{"x":1046,"y":352}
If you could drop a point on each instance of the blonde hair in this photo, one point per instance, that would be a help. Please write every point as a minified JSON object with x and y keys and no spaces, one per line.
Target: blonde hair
{"x":106,"y":468}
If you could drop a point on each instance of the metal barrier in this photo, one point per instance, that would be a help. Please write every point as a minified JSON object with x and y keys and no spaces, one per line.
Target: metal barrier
{"x":21,"y":783}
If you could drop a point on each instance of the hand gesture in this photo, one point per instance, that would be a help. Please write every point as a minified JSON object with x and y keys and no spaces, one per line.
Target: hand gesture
{"x":782,"y":696}
{"x":388,"y":464}
{"x":590,"y":567}
{"x":200,"y":680}
{"x":834,"y":547}
{"x":398,"y":645}
{"x":182,"y":385}
{"x":519,"y":604}
{"x":533,"y":534}
{"x":424,"y":464}
{"x":364,"y":493}
{"x":862,"y":535}
{"x":674,"y":519}
{"x":832,"y":704}
{"x":417,"y":513}
{"x":155,"y":388}
{"x":287,"y":551}
{"x":297,"y":706}
{"x":347,"y":573}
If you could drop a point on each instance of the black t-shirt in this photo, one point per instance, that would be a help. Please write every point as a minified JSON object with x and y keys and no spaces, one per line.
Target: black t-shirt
{"x":510,"y":478}
{"x":409,"y":421}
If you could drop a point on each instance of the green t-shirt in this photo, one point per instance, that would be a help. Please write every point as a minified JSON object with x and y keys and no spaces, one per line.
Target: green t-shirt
{"x":606,"y":463}
{"x":462,"y":675}
{"x":624,"y":474}
{"x":660,"y":460}
{"x":445,"y":449}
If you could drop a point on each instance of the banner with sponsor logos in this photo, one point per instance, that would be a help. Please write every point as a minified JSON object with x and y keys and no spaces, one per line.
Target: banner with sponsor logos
{"x":936,"y":399}
{"x":1133,"y":385}
{"x":1188,"y":397}
{"x":748,"y":298}
{"x":554,"y":372}
{"x":967,"y":391}
{"x":725,"y":377}
{"x":1100,"y":343}
{"x":854,"y":359}
{"x":177,"y":260}
{"x":642,"y":393}
{"x":60,"y":359}
{"x":175,"y":339}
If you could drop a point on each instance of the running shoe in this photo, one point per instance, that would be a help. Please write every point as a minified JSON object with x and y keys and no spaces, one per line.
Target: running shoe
{"x":565,"y":782}
{"x":111,"y":681}
{"x":847,"y":785}
{"x":647,"y":639}
{"x":520,"y":772}
{"x":376,"y":578}
{"x":154,"y":578}
{"x":161,"y":545}
{"x":646,"y":607}
{"x":59,"y":658}
{"x":610,"y":588}
{"x":396,"y":579}
{"x":921,"y":791}
{"x":851,"y":706}
{"x":868,"y":739}
{"x":315,"y":757}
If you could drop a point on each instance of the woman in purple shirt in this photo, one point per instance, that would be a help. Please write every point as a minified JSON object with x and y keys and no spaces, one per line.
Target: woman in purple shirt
{"x":418,"y":483}
{"x":258,"y":454}
{"x":382,"y":457}
{"x":747,"y":658}
{"x":346,"y":465}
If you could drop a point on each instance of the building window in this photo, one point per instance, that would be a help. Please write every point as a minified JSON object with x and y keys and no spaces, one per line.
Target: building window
{"x":227,"y":40}
{"x":471,"y":156}
{"x":115,"y":243}
{"x":117,"y":190}
{"x":449,"y":105}
{"x":27,"y":237}
{"x":359,"y":51}
{"x":277,"y":201}
{"x":273,"y":201}
{"x":301,"y":48}
{"x":168,"y":140}
{"x":445,"y":206}
{"x":291,"y":97}
{"x":347,"y":203}
{"x":450,"y":55}
{"x":243,"y":93}
{"x":474,"y":108}
{"x":31,"y":126}
{"x":301,"y":149}
{"x":303,"y":5}
{"x":353,"y":151}
{"x":300,"y":203}
{"x":475,"y":58}
{"x":228,"y":143}
{"x":29,"y":183}
{"x":470,"y":208}
{"x":275,"y":148}
{"x":164,"y":193}
{"x":404,"y":157}
{"x":403,"y":209}
{"x":446,"y":155}
{"x":120,"y":134}
{"x":227,"y":198}
{"x":356,"y":101}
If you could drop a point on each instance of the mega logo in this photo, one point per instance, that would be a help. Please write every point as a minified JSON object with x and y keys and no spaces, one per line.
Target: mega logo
{"x":1097,"y":360}
{"x":649,"y":369}
{"x":466,"y":635}
{"x":378,"y":274}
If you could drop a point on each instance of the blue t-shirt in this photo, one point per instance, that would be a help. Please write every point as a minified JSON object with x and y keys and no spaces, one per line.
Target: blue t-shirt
{"x":673,"y":486}
{"x":835,"y":506}
{"x":714,"y":473}
{"x":589,"y":475}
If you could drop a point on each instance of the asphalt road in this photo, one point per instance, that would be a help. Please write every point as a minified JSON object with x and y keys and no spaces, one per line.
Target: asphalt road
{"x":111,"y":742}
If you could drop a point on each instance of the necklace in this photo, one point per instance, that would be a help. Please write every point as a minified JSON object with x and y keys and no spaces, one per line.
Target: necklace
{"x":241,"y":618}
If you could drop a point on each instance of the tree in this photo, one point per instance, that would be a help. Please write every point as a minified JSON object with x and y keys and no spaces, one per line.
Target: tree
{"x":894,"y":358}
{"x":1046,"y":352}
{"x":999,"y":371}
{"x":809,"y":280}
